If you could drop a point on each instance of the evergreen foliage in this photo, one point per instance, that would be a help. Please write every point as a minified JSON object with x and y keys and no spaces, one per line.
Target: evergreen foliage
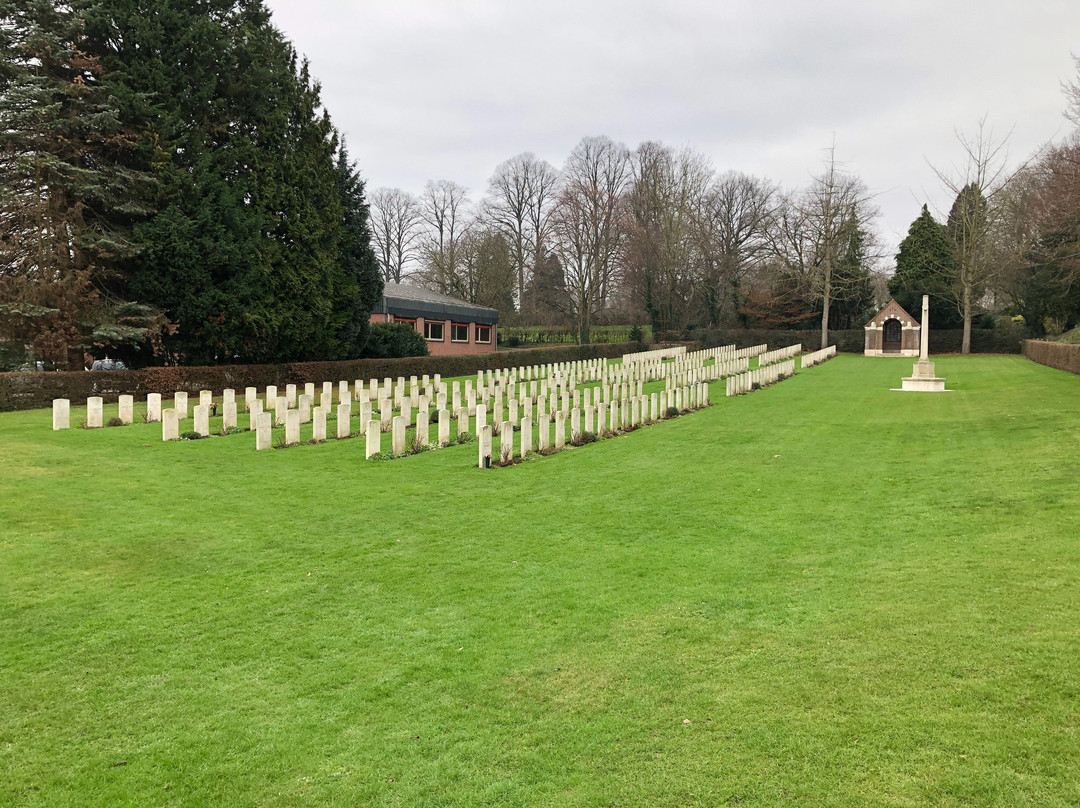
{"x":925,"y":266}
{"x":199,"y":176}
{"x":68,"y":196}
{"x":392,"y":340}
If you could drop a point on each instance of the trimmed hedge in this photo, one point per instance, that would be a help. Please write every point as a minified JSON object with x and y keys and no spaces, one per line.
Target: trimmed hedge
{"x":1060,"y":355}
{"x":27,"y":391}
{"x":983,"y":340}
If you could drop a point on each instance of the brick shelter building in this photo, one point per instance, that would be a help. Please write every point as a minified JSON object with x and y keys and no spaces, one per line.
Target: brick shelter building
{"x":892,"y":332}
{"x":450,"y":325}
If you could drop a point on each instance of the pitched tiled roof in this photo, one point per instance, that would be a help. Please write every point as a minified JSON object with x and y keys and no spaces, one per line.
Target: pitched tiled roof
{"x":894,"y":309}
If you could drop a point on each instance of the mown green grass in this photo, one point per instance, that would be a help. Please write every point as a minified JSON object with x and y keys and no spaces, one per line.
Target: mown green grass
{"x":822,"y":593}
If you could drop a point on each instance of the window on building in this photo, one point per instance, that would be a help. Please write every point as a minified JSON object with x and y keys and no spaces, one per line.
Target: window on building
{"x":459,"y":332}
{"x":433,"y":331}
{"x":483,"y":333}
{"x":411,"y":322}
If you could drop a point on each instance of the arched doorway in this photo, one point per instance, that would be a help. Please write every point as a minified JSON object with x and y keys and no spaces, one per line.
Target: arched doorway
{"x":891,"y":336}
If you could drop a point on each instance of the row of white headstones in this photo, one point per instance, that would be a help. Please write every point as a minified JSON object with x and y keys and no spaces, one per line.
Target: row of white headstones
{"x":551,"y":388}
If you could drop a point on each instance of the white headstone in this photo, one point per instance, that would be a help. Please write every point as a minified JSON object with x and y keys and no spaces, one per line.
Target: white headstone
{"x":202,"y":419}
{"x":484,"y":447}
{"x":290,"y":395}
{"x":250,"y":395}
{"x":206,"y":397}
{"x":318,"y":424}
{"x":153,"y":407}
{"x":292,"y":428}
{"x":526,"y":436}
{"x":506,"y":442}
{"x":95,"y":412}
{"x":560,"y":429}
{"x":373,"y":439}
{"x":228,"y":415}
{"x":180,"y":404}
{"x":170,"y":424}
{"x":344,"y":413}
{"x":422,"y":430}
{"x":444,"y":427}
{"x":304,"y":408}
{"x":281,"y":407}
{"x":61,"y":413}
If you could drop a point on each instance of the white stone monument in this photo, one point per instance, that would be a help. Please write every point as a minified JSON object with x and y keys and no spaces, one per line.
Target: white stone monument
{"x":95,"y":408}
{"x":922,"y":378}
{"x":170,"y":424}
{"x":61,"y":413}
{"x":318,"y":424}
{"x":153,"y":407}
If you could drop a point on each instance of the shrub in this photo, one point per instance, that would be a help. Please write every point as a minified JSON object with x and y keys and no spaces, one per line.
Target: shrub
{"x":233,"y":430}
{"x":115,"y":422}
{"x":418,"y":447}
{"x":672,"y":412}
{"x":466,"y":437}
{"x":381,"y":456}
{"x":585,"y":437}
{"x":394,"y":340}
{"x":190,"y":436}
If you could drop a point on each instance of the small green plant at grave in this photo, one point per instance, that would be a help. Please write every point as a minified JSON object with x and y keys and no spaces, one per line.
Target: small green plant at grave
{"x":756,"y":386}
{"x":232,"y":430}
{"x":279,"y":442}
{"x":419,"y":447}
{"x":466,"y":437}
{"x":381,"y":456}
{"x":115,"y":422}
{"x":672,"y":412}
{"x":190,"y":436}
{"x":585,"y":437}
{"x":146,"y":418}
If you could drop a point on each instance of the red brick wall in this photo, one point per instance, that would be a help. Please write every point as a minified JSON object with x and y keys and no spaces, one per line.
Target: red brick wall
{"x":448,"y":347}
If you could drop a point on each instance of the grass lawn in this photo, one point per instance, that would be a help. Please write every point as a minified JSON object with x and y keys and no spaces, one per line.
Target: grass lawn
{"x":822,"y":593}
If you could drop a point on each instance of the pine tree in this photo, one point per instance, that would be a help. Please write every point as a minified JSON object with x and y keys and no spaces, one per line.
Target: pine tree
{"x":358,"y":259}
{"x":925,"y":266}
{"x":69,"y":196}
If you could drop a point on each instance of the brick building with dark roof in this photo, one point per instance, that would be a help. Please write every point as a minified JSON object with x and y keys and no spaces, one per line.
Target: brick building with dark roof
{"x":450,"y":325}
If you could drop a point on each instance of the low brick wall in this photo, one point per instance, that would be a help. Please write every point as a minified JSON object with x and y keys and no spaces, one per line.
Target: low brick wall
{"x":1060,"y":355}
{"x":27,"y":391}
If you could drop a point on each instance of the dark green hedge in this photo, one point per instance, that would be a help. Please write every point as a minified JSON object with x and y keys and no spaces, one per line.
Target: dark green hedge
{"x":983,"y":340}
{"x":1058,"y":355}
{"x":26,"y":391}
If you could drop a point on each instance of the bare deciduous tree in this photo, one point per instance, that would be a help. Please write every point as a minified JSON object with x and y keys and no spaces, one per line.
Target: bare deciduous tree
{"x":977,"y":183}
{"x":395,"y":229}
{"x":444,"y":206}
{"x":665,"y":205}
{"x":521,"y":194}
{"x":733,"y":230}
{"x":588,"y":225}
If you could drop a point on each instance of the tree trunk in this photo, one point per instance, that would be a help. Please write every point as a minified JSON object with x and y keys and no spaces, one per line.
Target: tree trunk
{"x":826,"y":300}
{"x":965,"y":345}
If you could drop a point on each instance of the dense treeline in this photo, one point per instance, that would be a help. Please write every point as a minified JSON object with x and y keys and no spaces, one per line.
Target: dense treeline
{"x":656,"y":235}
{"x":173,"y":189}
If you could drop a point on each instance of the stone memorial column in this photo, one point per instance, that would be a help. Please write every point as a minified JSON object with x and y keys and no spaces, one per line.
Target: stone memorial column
{"x":170,"y":424}
{"x":61,"y":413}
{"x":126,"y":406}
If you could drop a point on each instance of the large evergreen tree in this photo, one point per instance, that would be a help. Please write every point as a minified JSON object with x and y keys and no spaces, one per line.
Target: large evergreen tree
{"x":249,"y":249}
{"x":358,"y":259}
{"x":68,"y":194}
{"x":924,"y":266}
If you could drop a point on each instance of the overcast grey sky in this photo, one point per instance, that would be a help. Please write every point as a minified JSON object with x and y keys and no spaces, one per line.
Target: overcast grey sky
{"x":447,"y":89}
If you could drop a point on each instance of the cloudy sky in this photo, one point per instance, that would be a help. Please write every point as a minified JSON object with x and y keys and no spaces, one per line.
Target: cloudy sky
{"x":446,"y":89}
